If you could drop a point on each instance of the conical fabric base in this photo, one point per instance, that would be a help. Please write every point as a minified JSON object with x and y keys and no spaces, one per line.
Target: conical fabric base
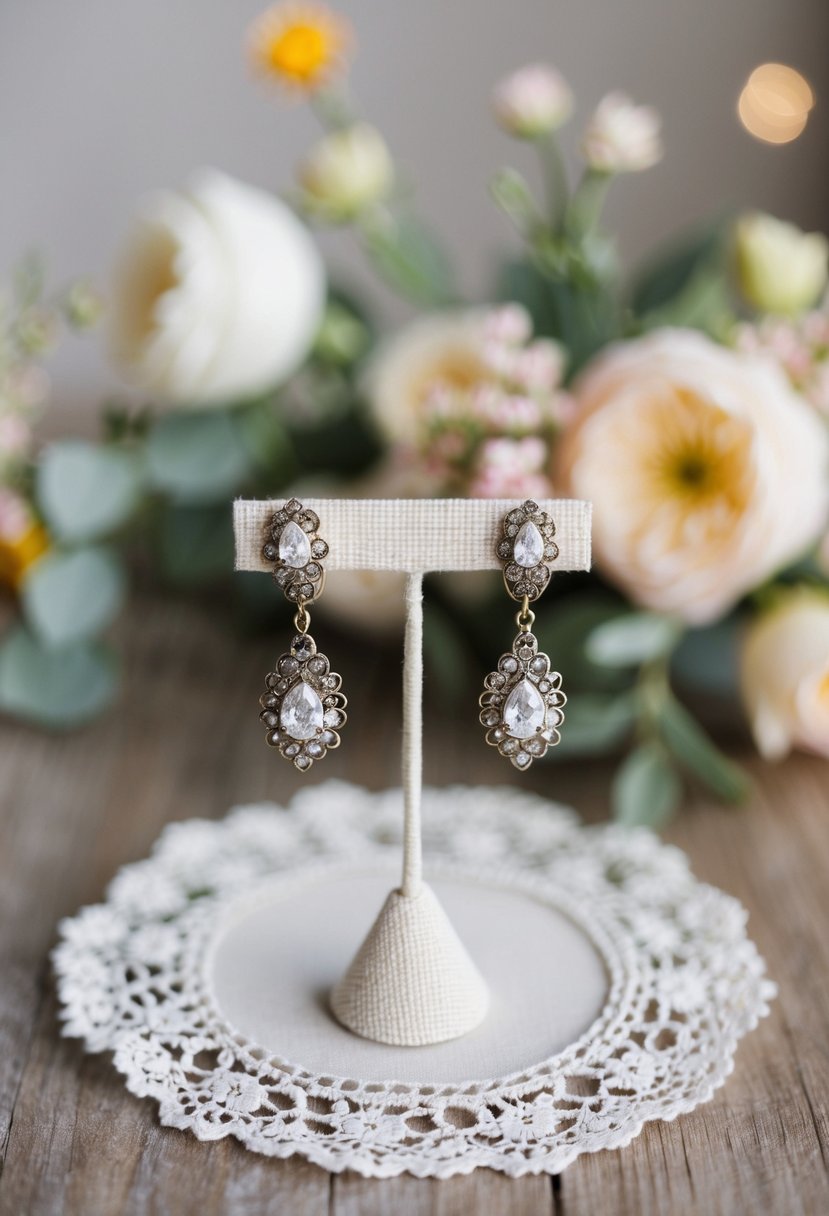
{"x":411,"y":982}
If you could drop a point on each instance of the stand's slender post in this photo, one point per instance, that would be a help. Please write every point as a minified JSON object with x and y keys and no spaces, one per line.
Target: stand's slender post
{"x":412,"y":737}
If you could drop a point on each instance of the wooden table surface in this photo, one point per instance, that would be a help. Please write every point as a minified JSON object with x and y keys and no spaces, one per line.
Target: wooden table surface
{"x":184,"y":741}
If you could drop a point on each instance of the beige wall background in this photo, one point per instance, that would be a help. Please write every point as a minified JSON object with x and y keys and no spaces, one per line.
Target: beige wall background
{"x":101,"y":100}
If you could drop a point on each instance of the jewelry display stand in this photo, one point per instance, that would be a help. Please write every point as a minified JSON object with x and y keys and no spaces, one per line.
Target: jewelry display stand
{"x":412,"y":982}
{"x":608,"y":986}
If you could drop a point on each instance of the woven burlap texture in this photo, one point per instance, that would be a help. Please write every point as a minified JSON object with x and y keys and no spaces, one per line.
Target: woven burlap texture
{"x":413,"y":535}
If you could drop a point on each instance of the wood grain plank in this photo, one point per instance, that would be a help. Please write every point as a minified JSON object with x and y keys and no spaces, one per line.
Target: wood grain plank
{"x":484,"y":1192}
{"x":760,"y":1145}
{"x":185,"y":742}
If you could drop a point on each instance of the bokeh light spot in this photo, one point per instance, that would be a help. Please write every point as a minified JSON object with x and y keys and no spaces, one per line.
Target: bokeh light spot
{"x":775,"y":103}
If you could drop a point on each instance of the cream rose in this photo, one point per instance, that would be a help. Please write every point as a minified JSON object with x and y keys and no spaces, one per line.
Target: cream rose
{"x":784,"y":675}
{"x":217,"y":295}
{"x":706,"y":470}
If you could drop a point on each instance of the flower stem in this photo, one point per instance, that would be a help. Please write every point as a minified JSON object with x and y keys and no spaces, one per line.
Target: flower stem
{"x":555,"y":179}
{"x":585,"y":209}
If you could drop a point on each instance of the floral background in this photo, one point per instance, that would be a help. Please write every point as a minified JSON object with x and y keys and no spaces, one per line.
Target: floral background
{"x":687,"y":397}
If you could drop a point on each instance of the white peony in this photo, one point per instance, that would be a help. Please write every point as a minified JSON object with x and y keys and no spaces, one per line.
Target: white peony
{"x":784,"y":675}
{"x":218,"y":293}
{"x":445,"y":347}
{"x":706,"y":470}
{"x":622,"y":137}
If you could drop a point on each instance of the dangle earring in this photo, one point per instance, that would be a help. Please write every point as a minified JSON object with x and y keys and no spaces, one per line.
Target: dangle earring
{"x":521,"y":705}
{"x":303,"y":708}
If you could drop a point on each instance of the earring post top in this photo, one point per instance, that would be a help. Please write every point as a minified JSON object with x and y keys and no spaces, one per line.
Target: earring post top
{"x":414,"y":535}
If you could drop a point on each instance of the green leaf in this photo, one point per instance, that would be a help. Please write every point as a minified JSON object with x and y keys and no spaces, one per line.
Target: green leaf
{"x":694,"y":750}
{"x":646,"y":789}
{"x":67,"y":597}
{"x":562,"y":628}
{"x":669,"y":273}
{"x":707,"y":659}
{"x":594,"y":724}
{"x":569,"y":304}
{"x":86,"y":491}
{"x":55,"y":688}
{"x":632,"y":639}
{"x":703,"y":303}
{"x":200,"y":457}
{"x":406,"y":255}
{"x":196,"y":543}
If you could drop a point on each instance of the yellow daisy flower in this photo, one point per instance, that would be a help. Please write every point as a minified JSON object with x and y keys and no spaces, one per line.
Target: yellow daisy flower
{"x":300,"y":44}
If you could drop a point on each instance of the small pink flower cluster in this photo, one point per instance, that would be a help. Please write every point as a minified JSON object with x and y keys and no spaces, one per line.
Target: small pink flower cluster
{"x":492,"y":438}
{"x":800,"y":346}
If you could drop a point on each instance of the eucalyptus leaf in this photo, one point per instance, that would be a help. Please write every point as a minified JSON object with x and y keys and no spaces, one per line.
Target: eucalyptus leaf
{"x":708,"y":659}
{"x":67,"y":597}
{"x":55,"y":687}
{"x":86,"y":490}
{"x":198,"y":457}
{"x":594,"y":724}
{"x":632,"y":639}
{"x":646,"y":789}
{"x":563,"y":627}
{"x":692,"y":747}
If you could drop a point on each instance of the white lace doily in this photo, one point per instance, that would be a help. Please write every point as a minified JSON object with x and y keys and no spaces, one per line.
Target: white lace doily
{"x":192,"y":974}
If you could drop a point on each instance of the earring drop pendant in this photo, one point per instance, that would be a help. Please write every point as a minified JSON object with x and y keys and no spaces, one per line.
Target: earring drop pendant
{"x":522,"y":705}
{"x":303,"y":707}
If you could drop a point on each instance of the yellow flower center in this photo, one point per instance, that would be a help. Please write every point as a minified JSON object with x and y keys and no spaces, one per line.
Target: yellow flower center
{"x":699,"y":457}
{"x":300,"y":43}
{"x":300,"y":52}
{"x":18,"y":555}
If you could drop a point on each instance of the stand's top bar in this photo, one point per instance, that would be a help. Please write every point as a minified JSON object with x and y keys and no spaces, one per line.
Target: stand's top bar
{"x":413,"y":535}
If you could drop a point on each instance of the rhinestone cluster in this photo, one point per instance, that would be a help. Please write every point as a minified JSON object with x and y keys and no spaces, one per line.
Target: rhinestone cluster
{"x":296,"y":552}
{"x":303,"y":708}
{"x":526,"y":550}
{"x":522,"y":703}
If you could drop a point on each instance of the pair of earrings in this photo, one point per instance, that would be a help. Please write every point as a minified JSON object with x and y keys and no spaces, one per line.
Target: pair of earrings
{"x":303,"y":707}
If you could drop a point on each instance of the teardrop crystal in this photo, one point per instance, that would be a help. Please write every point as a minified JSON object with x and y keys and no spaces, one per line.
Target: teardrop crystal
{"x":524,"y":710}
{"x":301,"y":712}
{"x":529,"y":545}
{"x":294,"y":546}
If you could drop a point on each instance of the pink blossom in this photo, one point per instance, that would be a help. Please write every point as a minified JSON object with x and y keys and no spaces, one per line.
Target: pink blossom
{"x":15,"y":435}
{"x":509,"y":325}
{"x":15,"y":517}
{"x":510,"y":468}
{"x":540,"y":366}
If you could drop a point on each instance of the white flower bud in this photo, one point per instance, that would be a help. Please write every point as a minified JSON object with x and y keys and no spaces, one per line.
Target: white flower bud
{"x":780,"y":268}
{"x":532,"y":101}
{"x":346,"y":172}
{"x":622,"y":137}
